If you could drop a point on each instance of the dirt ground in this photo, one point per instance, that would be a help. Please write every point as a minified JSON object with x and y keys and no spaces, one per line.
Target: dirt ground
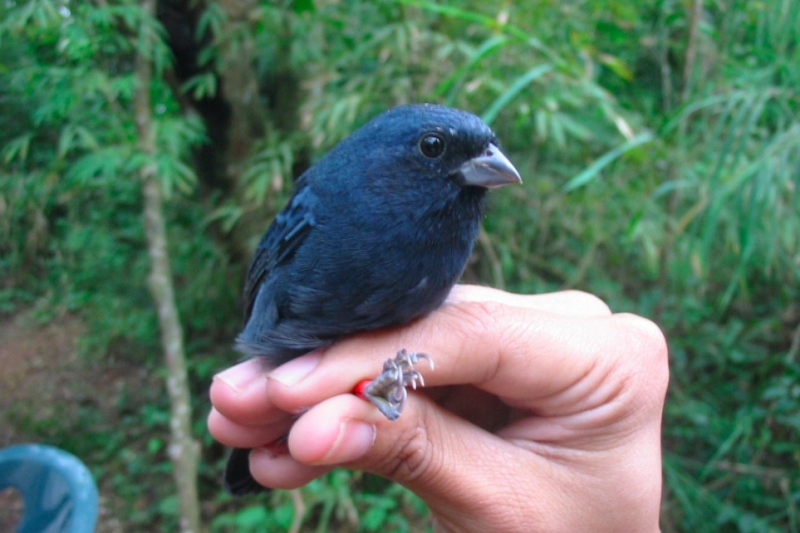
{"x":39,"y":370}
{"x":38,"y":363}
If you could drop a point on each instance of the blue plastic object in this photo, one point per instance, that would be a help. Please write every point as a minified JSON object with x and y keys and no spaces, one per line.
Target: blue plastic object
{"x":59,"y":493}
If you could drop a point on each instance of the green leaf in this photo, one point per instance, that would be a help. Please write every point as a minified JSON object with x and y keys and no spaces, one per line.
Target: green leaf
{"x":210,"y":22}
{"x":616,"y":65}
{"x":523,"y":81}
{"x":74,"y":137}
{"x":201,"y":86}
{"x":250,"y":518}
{"x":593,"y":170}
{"x":451,"y":84}
{"x":17,"y":148}
{"x":303,"y":6}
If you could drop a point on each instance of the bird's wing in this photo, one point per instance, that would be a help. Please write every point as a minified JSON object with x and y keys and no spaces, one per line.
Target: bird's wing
{"x":280,"y":242}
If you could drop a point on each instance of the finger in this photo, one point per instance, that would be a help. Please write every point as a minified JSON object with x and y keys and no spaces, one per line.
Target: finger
{"x":240,"y":393}
{"x":424,"y":450}
{"x":336,"y":431}
{"x":454,"y":465}
{"x":236,"y":435}
{"x":281,"y":470}
{"x":302,"y":464}
{"x":529,"y":357}
{"x":567,"y":303}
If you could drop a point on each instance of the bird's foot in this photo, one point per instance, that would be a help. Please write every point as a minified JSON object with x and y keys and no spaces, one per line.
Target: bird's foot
{"x":388,"y":391}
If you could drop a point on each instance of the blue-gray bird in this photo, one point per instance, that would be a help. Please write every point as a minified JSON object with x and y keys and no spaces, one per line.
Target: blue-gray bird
{"x":376,"y":234}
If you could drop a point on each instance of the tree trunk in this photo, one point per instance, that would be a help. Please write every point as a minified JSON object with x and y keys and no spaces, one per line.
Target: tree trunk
{"x":183,"y":449}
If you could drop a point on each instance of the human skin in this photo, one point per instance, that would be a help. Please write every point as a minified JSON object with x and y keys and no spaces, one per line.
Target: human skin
{"x":542,"y":414}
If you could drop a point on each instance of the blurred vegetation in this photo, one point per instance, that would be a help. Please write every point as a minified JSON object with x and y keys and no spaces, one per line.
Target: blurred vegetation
{"x":660,"y":146}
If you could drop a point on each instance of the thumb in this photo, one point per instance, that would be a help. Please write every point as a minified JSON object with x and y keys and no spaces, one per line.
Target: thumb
{"x":451,"y":464}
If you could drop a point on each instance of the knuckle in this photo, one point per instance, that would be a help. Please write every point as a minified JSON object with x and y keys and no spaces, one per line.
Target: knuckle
{"x":485,"y":327}
{"x":411,"y":457}
{"x":647,"y":335}
{"x":648,"y":350}
{"x":478,"y":315}
{"x":588,"y":303}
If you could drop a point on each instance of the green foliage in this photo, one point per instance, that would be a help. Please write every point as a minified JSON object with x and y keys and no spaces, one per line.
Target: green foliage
{"x":340,"y":501}
{"x":70,"y":189}
{"x":661,"y":157}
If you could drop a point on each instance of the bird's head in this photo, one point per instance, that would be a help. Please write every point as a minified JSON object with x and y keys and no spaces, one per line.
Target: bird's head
{"x":438,"y":143}
{"x":425,"y":151}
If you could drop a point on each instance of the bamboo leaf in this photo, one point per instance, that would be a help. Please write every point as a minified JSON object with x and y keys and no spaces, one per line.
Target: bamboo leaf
{"x":451,"y":84}
{"x":523,"y":81}
{"x":593,"y":170}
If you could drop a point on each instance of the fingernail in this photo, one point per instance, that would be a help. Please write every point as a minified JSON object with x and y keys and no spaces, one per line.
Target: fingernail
{"x":355,"y":439}
{"x":296,"y":369}
{"x":239,"y":377}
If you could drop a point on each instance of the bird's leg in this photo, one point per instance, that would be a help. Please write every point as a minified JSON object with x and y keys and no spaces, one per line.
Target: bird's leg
{"x":388,"y":391}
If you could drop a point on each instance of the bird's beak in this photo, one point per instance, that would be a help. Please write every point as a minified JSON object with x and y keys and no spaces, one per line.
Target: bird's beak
{"x":490,"y":169}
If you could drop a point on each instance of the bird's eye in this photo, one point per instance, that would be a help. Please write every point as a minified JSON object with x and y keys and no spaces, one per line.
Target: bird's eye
{"x":431,"y":145}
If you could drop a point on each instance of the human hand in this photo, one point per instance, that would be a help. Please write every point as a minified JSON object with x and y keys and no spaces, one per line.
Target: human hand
{"x":543,"y":414}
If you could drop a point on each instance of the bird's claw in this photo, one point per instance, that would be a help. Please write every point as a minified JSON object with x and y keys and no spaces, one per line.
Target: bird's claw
{"x":388,"y":391}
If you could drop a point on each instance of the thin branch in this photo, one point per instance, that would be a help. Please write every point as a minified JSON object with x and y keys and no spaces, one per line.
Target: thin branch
{"x":691,"y":48}
{"x":299,"y":511}
{"x":183,"y":449}
{"x":491,"y":256}
{"x":754,"y":470}
{"x":663,"y":60}
{"x":794,"y":348}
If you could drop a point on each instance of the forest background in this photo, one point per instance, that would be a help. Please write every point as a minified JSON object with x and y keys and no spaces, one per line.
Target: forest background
{"x":659,"y":142}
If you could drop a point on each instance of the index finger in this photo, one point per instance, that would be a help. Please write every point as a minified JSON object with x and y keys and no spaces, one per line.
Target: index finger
{"x":524,"y":349}
{"x":567,"y":303}
{"x":241,"y":392}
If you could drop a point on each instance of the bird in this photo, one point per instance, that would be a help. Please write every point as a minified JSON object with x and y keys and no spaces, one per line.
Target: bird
{"x":375,"y":235}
